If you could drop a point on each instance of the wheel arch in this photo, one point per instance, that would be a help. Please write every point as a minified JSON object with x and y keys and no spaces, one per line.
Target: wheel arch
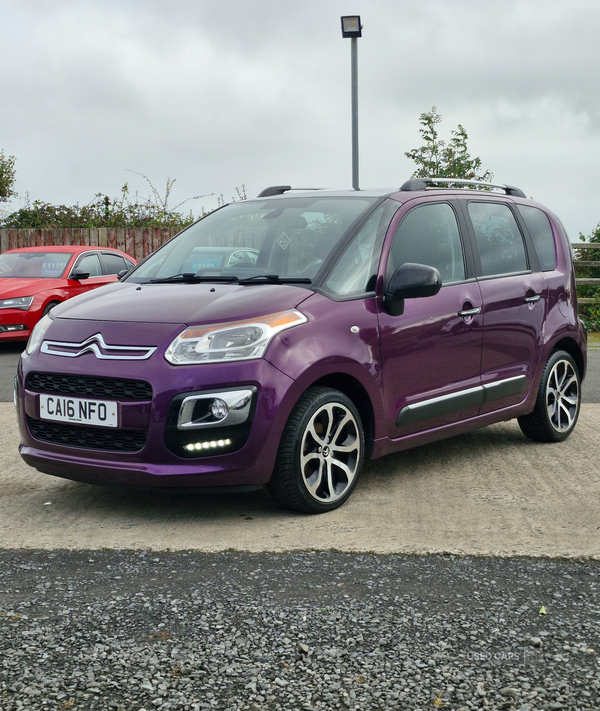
{"x":51,"y":303}
{"x":354,"y":390}
{"x":572,"y":348}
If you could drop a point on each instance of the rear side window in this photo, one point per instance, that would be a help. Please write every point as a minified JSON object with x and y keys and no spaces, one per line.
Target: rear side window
{"x":113,"y":263}
{"x":499,"y":240}
{"x":540,"y":230}
{"x":429,"y":235}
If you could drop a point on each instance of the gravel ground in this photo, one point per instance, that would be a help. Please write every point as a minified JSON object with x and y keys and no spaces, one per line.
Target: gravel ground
{"x":129,"y":630}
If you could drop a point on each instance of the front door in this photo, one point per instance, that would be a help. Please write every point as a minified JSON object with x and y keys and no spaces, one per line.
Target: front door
{"x":431,"y":354}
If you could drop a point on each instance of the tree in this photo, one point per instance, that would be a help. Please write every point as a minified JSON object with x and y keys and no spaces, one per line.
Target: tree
{"x":436,"y":158}
{"x":124,"y":211}
{"x":7,"y":177}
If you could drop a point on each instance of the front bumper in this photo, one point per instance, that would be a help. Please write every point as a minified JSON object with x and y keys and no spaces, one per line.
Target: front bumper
{"x":161,"y":461}
{"x":16,"y":324}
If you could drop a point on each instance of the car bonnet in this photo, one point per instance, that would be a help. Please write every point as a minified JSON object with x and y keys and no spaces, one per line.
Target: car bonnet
{"x":188,"y":304}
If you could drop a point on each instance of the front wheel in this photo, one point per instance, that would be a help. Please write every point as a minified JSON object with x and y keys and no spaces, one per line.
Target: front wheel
{"x":558,"y":401}
{"x":49,"y":307}
{"x":320,"y":454}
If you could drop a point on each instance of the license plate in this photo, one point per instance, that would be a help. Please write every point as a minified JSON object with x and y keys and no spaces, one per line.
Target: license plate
{"x":78,"y":410}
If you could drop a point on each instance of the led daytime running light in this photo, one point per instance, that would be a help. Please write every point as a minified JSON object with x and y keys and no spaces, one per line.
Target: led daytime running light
{"x":212,"y":444}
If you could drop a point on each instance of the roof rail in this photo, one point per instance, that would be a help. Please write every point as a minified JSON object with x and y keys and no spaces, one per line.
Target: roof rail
{"x":274,"y":190}
{"x":280,"y":189}
{"x":424,"y":183}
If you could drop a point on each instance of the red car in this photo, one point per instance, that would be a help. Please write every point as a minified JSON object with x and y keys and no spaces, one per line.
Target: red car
{"x":35,"y":279}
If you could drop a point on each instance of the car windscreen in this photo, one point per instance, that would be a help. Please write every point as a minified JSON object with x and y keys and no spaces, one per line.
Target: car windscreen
{"x":33,"y":265}
{"x":288,"y":237}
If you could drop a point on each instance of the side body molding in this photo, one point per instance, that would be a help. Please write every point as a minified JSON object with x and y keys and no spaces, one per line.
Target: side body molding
{"x":446,"y":404}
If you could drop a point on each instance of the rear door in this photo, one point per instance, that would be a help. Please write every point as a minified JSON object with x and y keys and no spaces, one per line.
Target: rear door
{"x":514,"y":293}
{"x":113,"y":263}
{"x":431,"y":354}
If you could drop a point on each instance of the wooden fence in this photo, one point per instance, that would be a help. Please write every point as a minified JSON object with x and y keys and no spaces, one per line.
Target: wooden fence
{"x":139,"y":242}
{"x":582,"y":263}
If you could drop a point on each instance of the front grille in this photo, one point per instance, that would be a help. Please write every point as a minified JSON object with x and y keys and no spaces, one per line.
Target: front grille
{"x":107,"y":440}
{"x":88,"y":386}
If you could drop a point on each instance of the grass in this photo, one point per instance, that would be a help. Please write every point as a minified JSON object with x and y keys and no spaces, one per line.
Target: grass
{"x":593,"y":339}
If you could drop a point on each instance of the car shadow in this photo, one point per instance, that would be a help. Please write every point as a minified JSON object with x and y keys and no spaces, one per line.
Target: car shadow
{"x":12,"y":347}
{"x":132,"y":507}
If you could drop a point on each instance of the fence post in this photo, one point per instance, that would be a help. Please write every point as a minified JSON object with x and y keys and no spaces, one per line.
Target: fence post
{"x":587,"y":281}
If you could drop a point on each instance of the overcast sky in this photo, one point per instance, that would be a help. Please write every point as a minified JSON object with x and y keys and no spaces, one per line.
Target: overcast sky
{"x":216,"y":93}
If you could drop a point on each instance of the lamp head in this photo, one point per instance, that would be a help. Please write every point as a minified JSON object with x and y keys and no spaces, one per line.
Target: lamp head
{"x":351,"y":26}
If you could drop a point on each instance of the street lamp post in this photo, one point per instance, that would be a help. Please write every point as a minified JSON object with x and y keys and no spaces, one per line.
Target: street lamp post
{"x":352,"y":28}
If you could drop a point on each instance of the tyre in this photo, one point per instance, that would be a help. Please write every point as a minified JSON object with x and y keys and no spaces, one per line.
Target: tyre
{"x":49,"y":307}
{"x":558,"y":401}
{"x":320,"y":454}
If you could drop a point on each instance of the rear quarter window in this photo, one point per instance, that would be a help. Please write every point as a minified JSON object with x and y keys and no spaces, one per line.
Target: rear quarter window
{"x":540,"y":230}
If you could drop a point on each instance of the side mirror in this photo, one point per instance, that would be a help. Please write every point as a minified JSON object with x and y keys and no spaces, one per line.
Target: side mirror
{"x":123,"y":273}
{"x":411,"y":281}
{"x":78,"y":276}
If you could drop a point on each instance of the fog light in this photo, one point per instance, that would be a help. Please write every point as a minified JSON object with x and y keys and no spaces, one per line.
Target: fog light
{"x":212,"y":444}
{"x":219,"y":409}
{"x":13,"y":327}
{"x":223,"y":408}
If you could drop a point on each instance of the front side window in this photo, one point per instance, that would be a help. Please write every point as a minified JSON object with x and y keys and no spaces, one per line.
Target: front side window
{"x":288,"y":237}
{"x":499,"y":240}
{"x":540,"y":230}
{"x":91,"y":264}
{"x":429,"y":235}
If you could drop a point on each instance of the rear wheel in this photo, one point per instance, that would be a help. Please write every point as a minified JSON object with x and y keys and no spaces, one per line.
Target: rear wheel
{"x":320,"y":454}
{"x":558,"y":401}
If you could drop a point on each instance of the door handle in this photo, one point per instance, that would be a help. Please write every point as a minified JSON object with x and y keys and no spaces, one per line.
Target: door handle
{"x":469,"y":312}
{"x":531,"y":299}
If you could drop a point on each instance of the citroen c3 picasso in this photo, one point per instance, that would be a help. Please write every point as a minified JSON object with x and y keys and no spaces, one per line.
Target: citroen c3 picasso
{"x":352,"y":324}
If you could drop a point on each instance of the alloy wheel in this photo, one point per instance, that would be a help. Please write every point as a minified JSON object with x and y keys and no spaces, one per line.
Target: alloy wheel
{"x":562,"y":396}
{"x":330,"y":454}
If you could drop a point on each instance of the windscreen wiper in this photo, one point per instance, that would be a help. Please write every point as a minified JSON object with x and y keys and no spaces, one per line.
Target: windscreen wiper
{"x":274,"y":279}
{"x":191,"y":278}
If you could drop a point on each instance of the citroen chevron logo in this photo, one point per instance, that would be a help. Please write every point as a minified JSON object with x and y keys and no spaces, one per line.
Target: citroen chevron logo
{"x":95,"y":344}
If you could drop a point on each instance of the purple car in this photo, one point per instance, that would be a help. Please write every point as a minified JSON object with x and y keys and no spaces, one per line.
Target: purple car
{"x":364,"y":323}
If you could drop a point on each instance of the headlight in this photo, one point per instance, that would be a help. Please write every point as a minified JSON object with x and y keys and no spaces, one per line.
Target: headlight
{"x":238,"y":340}
{"x":37,"y":335}
{"x":19,"y":302}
